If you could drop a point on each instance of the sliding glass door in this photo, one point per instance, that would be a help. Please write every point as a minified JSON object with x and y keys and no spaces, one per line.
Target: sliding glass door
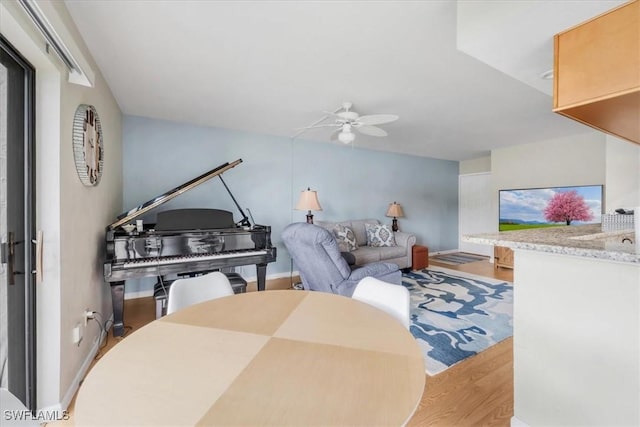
{"x":17,"y":225}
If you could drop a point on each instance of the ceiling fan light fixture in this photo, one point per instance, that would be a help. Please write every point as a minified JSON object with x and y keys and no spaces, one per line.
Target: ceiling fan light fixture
{"x":346,"y":137}
{"x":348,"y":115}
{"x":345,"y":122}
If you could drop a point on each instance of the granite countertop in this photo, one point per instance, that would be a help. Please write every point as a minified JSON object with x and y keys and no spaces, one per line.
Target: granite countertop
{"x":579,"y":240}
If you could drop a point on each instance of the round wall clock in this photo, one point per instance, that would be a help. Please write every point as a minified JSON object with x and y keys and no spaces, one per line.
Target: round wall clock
{"x":87,"y":145}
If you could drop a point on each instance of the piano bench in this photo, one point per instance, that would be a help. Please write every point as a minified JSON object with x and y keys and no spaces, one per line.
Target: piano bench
{"x":160,"y":293}
{"x":238,"y":284}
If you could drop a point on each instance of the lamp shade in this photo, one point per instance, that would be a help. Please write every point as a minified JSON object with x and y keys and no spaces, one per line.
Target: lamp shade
{"x":308,"y":201}
{"x":395,"y":210}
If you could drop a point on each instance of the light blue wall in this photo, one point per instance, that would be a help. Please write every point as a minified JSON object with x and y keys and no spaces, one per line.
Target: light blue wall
{"x":351,"y":182}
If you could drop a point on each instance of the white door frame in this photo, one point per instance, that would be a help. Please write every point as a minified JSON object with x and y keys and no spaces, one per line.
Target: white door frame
{"x":475,"y":213}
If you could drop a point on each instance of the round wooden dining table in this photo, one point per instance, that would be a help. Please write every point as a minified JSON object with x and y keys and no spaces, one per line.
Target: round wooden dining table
{"x":278,"y":358}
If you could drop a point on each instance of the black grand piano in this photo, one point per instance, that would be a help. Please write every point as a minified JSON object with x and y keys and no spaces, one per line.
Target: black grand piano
{"x":182,"y":241}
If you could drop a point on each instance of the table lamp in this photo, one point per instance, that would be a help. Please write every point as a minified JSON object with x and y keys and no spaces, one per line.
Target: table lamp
{"x":395,"y":211}
{"x":308,"y":202}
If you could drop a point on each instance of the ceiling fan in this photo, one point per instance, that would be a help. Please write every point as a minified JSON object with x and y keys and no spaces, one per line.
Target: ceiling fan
{"x":347,"y":121}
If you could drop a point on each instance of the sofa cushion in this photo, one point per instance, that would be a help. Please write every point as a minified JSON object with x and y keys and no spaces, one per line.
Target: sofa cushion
{"x":345,"y":237}
{"x":391,"y":252}
{"x":366,"y":254}
{"x":379,"y":235}
{"x":359,"y":229}
{"x":326,"y":225}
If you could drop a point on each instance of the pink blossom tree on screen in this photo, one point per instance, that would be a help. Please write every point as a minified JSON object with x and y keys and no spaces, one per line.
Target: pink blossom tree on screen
{"x":567,"y":207}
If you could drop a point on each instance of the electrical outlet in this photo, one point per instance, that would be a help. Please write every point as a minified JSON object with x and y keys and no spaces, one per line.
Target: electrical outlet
{"x":78,"y":333}
{"x":88,"y":314}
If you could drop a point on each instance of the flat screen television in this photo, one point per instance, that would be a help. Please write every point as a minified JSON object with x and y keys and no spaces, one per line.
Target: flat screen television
{"x":550,"y":207}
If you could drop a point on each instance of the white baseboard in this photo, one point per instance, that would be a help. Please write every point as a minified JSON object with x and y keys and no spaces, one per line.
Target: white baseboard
{"x":515,"y":422}
{"x":75,"y":384}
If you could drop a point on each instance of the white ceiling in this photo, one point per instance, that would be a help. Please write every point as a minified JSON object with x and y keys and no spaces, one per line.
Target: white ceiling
{"x":273,"y":66}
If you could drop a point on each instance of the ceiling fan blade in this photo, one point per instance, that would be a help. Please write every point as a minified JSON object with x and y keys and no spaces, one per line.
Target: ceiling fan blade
{"x":371,"y":130}
{"x":377,"y":119}
{"x":300,"y":131}
{"x":320,"y":126}
{"x":344,"y":116}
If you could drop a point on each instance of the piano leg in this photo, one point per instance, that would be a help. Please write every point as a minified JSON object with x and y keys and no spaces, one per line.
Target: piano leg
{"x":117,"y":300}
{"x":262,"y":275}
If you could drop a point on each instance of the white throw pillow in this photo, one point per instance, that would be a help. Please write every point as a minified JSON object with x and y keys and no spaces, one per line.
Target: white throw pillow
{"x":380,"y":235}
{"x":346,"y":238}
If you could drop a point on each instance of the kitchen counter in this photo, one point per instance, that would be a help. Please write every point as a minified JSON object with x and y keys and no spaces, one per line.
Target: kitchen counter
{"x":577,"y":310}
{"x":578,"y":240}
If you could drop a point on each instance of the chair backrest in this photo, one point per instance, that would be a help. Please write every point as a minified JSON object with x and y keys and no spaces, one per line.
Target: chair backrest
{"x":316,"y":255}
{"x":394,"y":299}
{"x":193,"y":290}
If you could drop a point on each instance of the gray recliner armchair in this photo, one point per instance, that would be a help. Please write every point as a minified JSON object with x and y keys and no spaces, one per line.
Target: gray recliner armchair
{"x":322,"y":266}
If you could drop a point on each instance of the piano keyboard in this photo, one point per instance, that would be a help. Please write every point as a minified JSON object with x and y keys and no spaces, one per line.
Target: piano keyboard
{"x":190,"y":258}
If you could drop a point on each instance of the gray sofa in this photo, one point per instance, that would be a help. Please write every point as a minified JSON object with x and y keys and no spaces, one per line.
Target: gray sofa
{"x":399,"y":255}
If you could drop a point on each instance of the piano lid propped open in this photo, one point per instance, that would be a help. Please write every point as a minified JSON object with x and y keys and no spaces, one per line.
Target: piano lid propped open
{"x":134,"y":213}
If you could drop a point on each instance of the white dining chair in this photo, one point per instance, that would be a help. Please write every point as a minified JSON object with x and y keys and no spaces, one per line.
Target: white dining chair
{"x":393,"y":299}
{"x":193,"y":290}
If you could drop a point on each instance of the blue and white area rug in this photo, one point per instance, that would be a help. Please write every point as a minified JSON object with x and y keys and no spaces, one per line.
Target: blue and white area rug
{"x":456,"y":315}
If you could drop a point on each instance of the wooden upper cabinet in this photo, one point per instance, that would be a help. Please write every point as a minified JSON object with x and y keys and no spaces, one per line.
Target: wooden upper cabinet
{"x":597,"y":72}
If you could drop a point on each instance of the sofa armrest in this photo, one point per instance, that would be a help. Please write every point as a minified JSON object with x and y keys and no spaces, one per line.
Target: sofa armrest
{"x":406,"y":240}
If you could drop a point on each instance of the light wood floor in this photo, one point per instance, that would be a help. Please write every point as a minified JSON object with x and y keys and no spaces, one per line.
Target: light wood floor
{"x":476,"y":392}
